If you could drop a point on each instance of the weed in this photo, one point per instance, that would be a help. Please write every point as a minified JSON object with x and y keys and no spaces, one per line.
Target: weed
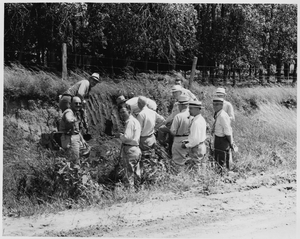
{"x":36,"y":179}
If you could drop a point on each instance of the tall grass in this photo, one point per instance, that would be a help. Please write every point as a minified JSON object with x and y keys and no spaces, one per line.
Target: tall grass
{"x":20,"y":82}
{"x":264,"y":130}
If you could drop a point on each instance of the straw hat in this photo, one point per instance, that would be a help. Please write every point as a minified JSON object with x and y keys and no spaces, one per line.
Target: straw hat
{"x":220,"y":91}
{"x":195,"y":104}
{"x":176,"y":88}
{"x":95,"y":76}
{"x":218,"y":99}
{"x":183,"y":99}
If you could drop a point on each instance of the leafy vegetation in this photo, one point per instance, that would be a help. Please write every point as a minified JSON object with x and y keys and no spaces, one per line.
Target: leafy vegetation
{"x":229,"y":40}
{"x":37,"y":180}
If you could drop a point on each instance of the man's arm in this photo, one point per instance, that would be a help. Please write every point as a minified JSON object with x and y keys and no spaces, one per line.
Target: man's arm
{"x":160,"y":120}
{"x":83,"y":89}
{"x":174,"y":126}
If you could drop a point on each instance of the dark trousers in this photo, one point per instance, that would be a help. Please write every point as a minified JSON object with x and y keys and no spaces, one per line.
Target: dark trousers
{"x":165,"y":138}
{"x":221,"y":151}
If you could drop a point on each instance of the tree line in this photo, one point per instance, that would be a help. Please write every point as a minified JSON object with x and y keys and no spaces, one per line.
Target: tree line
{"x":239,"y":38}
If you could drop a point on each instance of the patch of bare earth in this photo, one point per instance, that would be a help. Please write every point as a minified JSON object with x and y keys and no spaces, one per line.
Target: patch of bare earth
{"x":265,"y":212}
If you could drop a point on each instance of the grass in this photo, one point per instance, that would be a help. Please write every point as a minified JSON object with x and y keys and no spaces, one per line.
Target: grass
{"x":264,"y":130}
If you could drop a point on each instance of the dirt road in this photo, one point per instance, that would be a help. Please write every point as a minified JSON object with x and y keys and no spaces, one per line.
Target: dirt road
{"x":257,"y":213}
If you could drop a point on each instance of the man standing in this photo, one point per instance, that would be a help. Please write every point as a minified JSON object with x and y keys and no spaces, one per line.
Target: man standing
{"x":150,"y":121}
{"x":222,"y":132}
{"x":82,"y":90}
{"x":130,"y":151}
{"x":70,"y":128}
{"x":180,"y":131}
{"x":227,"y":106}
{"x":196,"y":139}
{"x":164,"y":136}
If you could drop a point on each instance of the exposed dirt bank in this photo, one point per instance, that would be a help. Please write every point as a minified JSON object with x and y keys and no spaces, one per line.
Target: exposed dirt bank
{"x":257,"y":213}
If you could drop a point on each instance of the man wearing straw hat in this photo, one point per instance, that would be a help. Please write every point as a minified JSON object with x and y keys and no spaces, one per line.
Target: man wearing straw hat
{"x":222,"y":132}
{"x":195,"y":142}
{"x":180,"y":131}
{"x":227,"y":106}
{"x":81,"y":89}
{"x":164,"y":137}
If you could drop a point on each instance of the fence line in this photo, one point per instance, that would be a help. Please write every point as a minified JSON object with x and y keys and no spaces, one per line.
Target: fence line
{"x":110,"y":64}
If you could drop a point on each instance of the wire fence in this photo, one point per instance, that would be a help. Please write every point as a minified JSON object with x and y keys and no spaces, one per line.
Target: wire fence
{"x":116,"y":65}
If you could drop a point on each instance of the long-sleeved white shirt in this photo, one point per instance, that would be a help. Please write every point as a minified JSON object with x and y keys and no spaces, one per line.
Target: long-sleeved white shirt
{"x":197,"y":131}
{"x":221,"y":125}
{"x":228,"y":108}
{"x":132,"y":132}
{"x":149,"y":120}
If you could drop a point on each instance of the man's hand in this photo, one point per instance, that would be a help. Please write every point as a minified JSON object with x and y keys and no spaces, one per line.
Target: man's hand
{"x":183,"y":144}
{"x":118,"y":135}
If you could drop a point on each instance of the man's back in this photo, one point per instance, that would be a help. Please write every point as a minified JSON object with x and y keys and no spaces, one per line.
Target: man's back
{"x":148,"y":119}
{"x":133,"y":102}
{"x":81,"y":88}
{"x":181,"y":123}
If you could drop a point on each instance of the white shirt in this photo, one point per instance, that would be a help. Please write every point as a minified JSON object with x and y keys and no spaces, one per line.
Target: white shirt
{"x":222,"y":124}
{"x":132,"y":131}
{"x":133,"y":102}
{"x":175,"y":109}
{"x":80,"y":88}
{"x":149,"y":119}
{"x":181,"y":123}
{"x":228,"y":108}
{"x":189,"y":94}
{"x":197,"y":131}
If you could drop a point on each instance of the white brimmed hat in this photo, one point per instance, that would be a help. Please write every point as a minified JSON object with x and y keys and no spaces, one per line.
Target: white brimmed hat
{"x":220,"y":90}
{"x":176,"y":88}
{"x":218,"y":99}
{"x":183,"y":99}
{"x":95,"y":76}
{"x":195,"y":104}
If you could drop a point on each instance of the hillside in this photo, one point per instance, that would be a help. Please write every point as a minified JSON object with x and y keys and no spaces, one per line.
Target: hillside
{"x":264,"y":132}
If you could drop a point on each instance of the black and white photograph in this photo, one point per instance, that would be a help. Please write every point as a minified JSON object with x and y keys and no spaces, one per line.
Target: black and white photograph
{"x":158,"y":119}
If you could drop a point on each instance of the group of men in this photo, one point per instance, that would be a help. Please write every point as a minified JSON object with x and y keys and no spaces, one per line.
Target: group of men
{"x":184,"y":129}
{"x":185,"y":126}
{"x":73,"y":122}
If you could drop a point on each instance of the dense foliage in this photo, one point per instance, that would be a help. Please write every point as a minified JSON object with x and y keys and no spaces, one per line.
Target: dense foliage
{"x":116,"y":37}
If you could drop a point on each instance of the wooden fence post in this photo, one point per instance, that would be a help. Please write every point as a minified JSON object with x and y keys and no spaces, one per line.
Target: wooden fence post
{"x":193,"y":72}
{"x":64,"y":62}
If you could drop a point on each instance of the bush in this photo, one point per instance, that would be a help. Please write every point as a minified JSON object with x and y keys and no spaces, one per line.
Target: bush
{"x":264,"y":131}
